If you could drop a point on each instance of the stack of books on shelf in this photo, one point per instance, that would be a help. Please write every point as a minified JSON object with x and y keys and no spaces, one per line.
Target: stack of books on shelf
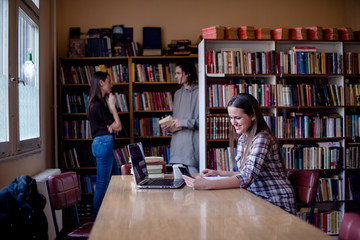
{"x":314,"y":33}
{"x":345,"y":33}
{"x":298,"y":33}
{"x":180,"y":48}
{"x":214,"y":32}
{"x":263,"y":33}
{"x":231,"y":33}
{"x":330,"y":34}
{"x":280,"y":34}
{"x":247,"y":32}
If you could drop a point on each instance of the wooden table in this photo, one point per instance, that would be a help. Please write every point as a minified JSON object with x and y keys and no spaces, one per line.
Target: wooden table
{"x":131,"y":213}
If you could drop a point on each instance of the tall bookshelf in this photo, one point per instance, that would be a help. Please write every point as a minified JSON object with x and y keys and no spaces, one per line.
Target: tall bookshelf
{"x":74,"y":132}
{"x":312,"y":132}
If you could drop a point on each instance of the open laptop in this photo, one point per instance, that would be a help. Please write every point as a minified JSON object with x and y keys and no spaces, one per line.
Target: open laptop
{"x":140,"y":173}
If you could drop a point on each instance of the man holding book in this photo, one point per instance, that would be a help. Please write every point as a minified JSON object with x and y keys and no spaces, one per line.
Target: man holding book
{"x":184,"y":147}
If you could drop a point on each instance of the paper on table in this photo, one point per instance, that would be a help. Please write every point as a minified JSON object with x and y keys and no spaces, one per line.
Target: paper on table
{"x":215,"y":177}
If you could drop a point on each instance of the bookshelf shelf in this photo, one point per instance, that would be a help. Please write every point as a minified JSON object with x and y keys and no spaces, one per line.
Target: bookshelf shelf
{"x":330,"y":79}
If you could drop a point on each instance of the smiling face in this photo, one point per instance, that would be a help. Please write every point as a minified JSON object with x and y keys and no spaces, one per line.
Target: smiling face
{"x":240,"y":120}
{"x":105,"y":86}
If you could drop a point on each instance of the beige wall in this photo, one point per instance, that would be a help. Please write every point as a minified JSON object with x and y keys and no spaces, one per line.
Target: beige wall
{"x":36,"y":163}
{"x":184,"y":19}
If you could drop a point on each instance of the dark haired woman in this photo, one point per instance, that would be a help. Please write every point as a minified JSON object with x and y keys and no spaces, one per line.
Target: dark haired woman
{"x":104,"y":122}
{"x":184,"y":147}
{"x":259,"y":160}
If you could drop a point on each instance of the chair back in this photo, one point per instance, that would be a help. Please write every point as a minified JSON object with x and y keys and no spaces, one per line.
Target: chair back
{"x":350,"y":227}
{"x":64,"y":190}
{"x":126,"y":169}
{"x":305,"y":185}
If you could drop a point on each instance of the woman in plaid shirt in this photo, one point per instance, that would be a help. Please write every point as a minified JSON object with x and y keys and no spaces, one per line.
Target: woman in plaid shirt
{"x":259,"y":160}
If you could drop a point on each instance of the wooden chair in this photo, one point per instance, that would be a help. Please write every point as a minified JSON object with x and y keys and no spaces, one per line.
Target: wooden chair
{"x":64,"y":192}
{"x":126,"y":169}
{"x":350,"y":227}
{"x":305,"y":185}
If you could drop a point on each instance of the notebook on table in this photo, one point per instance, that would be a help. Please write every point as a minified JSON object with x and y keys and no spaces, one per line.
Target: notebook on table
{"x":141,"y":176}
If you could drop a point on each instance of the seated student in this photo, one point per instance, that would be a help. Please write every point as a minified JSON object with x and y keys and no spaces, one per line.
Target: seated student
{"x":259,"y":159}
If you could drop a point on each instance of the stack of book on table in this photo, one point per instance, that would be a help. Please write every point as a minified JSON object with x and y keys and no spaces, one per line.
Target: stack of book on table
{"x":155,"y":166}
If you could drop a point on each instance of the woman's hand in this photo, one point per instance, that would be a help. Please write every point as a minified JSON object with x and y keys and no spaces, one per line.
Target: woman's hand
{"x":197,"y":183}
{"x":209,"y":173}
{"x":111,"y":100}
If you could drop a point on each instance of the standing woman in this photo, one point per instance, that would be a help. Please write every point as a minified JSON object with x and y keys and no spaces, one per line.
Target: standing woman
{"x":259,"y":160}
{"x":104,"y":122}
{"x":184,"y":146}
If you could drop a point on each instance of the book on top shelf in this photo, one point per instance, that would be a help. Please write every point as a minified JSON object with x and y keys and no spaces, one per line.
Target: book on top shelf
{"x":167,"y":121}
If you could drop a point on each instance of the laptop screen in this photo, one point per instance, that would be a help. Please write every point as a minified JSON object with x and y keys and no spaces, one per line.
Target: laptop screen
{"x":136,"y":154}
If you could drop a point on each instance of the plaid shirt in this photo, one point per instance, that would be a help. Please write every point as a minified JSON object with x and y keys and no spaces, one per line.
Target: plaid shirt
{"x":262,"y":173}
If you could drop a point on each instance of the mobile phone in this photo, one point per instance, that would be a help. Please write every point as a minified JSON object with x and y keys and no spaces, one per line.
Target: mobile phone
{"x":185,"y":171}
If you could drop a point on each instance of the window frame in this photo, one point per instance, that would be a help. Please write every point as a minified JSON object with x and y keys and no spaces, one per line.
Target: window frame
{"x":16,"y":148}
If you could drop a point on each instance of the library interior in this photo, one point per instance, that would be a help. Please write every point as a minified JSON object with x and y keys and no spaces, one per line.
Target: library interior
{"x":162,"y":74}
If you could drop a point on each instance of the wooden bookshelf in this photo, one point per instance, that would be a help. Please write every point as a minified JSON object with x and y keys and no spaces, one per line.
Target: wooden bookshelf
{"x":263,"y":57}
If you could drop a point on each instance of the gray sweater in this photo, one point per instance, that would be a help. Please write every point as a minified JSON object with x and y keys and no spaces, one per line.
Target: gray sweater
{"x":184,"y":147}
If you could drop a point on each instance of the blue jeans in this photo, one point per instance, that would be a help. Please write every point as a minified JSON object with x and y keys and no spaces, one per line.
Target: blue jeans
{"x":106,"y":165}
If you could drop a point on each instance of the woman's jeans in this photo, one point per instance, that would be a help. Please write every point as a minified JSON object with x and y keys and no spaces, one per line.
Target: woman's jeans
{"x":106,"y":165}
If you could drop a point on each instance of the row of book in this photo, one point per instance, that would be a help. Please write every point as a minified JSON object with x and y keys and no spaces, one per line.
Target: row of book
{"x":121,"y":156}
{"x":352,"y":63}
{"x":77,"y":129}
{"x":160,"y":151}
{"x":353,"y":94}
{"x":149,"y":101}
{"x":78,"y":157}
{"x":87,"y":183}
{"x":352,"y":123}
{"x":352,"y":157}
{"x":76,"y":103}
{"x":328,"y":222}
{"x":118,"y":73}
{"x":111,"y":42}
{"x":309,"y":125}
{"x":218,"y":127}
{"x":155,"y":72}
{"x":147,"y":127}
{"x":354,"y":187}
{"x":302,"y":62}
{"x":237,"y":61}
{"x":322,"y":155}
{"x":220,"y":159}
{"x":281,"y":33}
{"x":330,"y":189}
{"x":220,"y":94}
{"x":308,"y":95}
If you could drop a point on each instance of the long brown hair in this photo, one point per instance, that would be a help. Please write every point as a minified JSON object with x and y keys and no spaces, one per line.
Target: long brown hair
{"x":251,"y":107}
{"x":95,"y":89}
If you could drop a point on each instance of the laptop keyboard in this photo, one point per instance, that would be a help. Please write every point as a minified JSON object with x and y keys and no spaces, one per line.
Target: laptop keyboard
{"x":161,"y":181}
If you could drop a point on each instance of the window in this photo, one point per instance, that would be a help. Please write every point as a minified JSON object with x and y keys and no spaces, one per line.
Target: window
{"x":19,"y":84}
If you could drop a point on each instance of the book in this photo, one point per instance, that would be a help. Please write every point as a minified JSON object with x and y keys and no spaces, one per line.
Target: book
{"x":152,"y":41}
{"x":304,"y":48}
{"x":154,"y":159}
{"x":167,"y":121}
